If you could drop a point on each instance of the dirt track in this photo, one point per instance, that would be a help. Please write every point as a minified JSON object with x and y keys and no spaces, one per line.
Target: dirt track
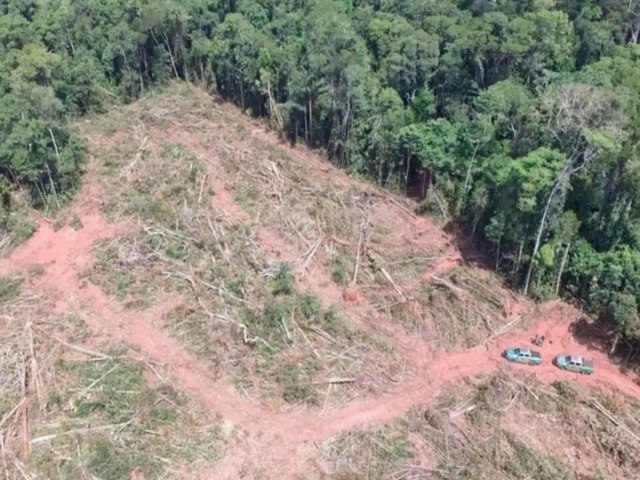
{"x":66,"y":254}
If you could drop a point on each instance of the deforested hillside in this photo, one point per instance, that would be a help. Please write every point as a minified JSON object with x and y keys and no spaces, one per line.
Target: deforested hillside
{"x":218,"y":304}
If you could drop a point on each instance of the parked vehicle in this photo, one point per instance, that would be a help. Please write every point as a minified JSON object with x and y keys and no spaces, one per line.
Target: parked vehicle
{"x":522,"y":355}
{"x":574,"y":363}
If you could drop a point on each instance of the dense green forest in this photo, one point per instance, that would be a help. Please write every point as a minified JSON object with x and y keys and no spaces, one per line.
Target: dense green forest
{"x":517,"y":120}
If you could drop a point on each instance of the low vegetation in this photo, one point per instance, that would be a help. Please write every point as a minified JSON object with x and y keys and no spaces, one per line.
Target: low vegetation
{"x":464,"y":306}
{"x":16,"y":225}
{"x":9,"y":288}
{"x":527,"y":142}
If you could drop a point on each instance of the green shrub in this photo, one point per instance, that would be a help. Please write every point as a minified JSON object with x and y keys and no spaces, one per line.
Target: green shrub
{"x":9,"y":288}
{"x":296,"y":388}
{"x":340,"y":271}
{"x":284,"y":283}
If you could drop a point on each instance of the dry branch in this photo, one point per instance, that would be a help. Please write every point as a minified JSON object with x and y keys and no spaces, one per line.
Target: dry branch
{"x":457,"y":291}
{"x":457,"y":413}
{"x":326,"y":399}
{"x":53,"y":436}
{"x":334,"y":380}
{"x":306,"y":339}
{"x":510,"y":404}
{"x":614,"y":420}
{"x":86,"y":351}
{"x":395,"y":285}
{"x":358,"y":250}
{"x":23,"y":470}
{"x":403,"y":208}
{"x":4,"y":457}
{"x":308,"y":256}
{"x":85,"y":390}
{"x":533,"y":394}
{"x":504,"y":328}
{"x":252,"y":340}
{"x":35,"y":369}
{"x":149,"y":365}
{"x":340,"y":241}
{"x":23,"y":410}
{"x":202,"y":184}
{"x":386,"y":275}
{"x":225,"y":248}
{"x":141,"y":149}
{"x":12,"y":412}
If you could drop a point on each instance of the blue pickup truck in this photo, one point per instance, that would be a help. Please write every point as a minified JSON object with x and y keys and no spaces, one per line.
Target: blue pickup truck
{"x":522,"y":355}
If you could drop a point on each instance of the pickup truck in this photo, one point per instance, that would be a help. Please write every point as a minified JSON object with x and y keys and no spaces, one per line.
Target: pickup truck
{"x":574,"y":363}
{"x":522,"y":355}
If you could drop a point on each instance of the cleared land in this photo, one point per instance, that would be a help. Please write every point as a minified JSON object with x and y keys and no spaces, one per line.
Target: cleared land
{"x":216,"y":304}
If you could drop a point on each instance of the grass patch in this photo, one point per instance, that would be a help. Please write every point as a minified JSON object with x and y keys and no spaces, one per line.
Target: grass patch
{"x":373,"y":455}
{"x":464,"y":309}
{"x":16,"y":226}
{"x":119,"y":268}
{"x":90,"y":417}
{"x":248,"y":198}
{"x":341,"y":270}
{"x":10,"y":288}
{"x":74,"y":327}
{"x":297,"y":383}
{"x":278,"y":321}
{"x":283,"y":282}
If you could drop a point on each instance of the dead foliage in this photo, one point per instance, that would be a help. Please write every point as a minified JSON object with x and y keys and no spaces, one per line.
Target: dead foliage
{"x":464,"y":307}
{"x":498,"y":427}
{"x":239,"y":308}
{"x":331,"y":229}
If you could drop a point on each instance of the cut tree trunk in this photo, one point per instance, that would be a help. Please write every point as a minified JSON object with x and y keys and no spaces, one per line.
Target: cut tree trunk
{"x":173,"y":62}
{"x":406,"y":175}
{"x":519,"y":258}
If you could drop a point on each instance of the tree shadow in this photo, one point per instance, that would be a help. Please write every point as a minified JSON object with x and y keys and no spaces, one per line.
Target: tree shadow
{"x":470,"y":253}
{"x":596,"y":336}
{"x":591,"y":335}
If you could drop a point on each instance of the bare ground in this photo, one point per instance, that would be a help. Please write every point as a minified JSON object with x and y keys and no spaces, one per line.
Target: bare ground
{"x":378,"y":233}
